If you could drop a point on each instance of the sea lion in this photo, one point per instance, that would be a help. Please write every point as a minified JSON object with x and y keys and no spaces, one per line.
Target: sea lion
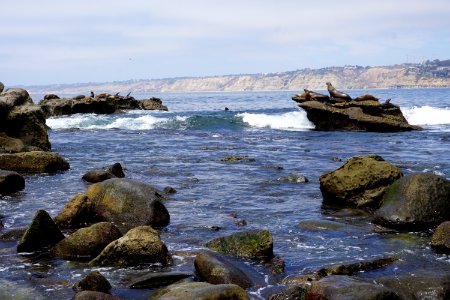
{"x":92,"y":94}
{"x":311,"y":95}
{"x":51,"y":96}
{"x":387,"y":103}
{"x":366,"y":97}
{"x":337,"y":94}
{"x":79,"y":97}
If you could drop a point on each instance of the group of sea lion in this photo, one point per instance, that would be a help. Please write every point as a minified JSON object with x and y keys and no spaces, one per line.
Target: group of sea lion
{"x":337,"y":96}
{"x":116,"y":96}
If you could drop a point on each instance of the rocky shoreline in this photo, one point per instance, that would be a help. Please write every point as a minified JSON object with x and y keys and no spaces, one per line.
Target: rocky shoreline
{"x":117,"y":222}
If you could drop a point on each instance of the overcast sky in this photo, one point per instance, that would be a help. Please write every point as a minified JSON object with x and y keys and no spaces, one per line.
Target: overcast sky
{"x":44,"y":42}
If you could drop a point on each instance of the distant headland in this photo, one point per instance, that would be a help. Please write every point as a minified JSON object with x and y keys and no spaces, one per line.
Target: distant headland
{"x":429,"y":74}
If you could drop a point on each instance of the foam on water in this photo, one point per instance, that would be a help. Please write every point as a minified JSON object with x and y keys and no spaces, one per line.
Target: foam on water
{"x":295,"y":120}
{"x":427,"y":115}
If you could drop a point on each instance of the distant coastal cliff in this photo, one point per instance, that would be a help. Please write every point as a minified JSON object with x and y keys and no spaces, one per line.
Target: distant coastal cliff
{"x":429,"y":74}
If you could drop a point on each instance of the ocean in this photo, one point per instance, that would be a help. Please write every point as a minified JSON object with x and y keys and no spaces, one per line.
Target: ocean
{"x":184,"y":147}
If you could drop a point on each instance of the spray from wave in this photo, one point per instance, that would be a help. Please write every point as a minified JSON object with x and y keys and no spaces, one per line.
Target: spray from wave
{"x":295,"y":121}
{"x":427,"y":115}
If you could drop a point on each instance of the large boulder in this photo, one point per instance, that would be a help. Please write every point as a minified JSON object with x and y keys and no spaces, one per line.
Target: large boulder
{"x":13,"y":145}
{"x":20,"y":118}
{"x":415,"y":202}
{"x":40,"y":234}
{"x":139,"y":245}
{"x":87,"y":243}
{"x":58,"y":107}
{"x":33,"y":162}
{"x":11,"y":182}
{"x":152,"y":104}
{"x":78,"y":212}
{"x":441,"y":237}
{"x":215,"y":269}
{"x":368,"y":115}
{"x":128,"y":203}
{"x":345,"y":287}
{"x":360,"y":182}
{"x":249,"y":244}
{"x":201,"y":290}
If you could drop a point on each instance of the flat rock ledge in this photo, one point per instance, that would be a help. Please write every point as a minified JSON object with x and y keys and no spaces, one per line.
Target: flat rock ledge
{"x":368,"y":115}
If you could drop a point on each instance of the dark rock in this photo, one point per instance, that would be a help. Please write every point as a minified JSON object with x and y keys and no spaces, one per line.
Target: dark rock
{"x":139,"y":245}
{"x":238,"y":158}
{"x":99,"y":175}
{"x":277,"y":265}
{"x":94,"y":281}
{"x":128,"y":203}
{"x":12,"y":145}
{"x":77,"y":105}
{"x":215,"y":269}
{"x":415,"y":202}
{"x":93,"y":295}
{"x":13,"y":234}
{"x":87,"y":243}
{"x":201,"y":290}
{"x":2,"y":87}
{"x":157,"y":280}
{"x":361,"y":181}
{"x":367,"y":115}
{"x":169,"y":190}
{"x":441,"y":237}
{"x":291,"y":293}
{"x":40,"y":234}
{"x":11,"y":182}
{"x":78,"y":212}
{"x":152,"y":104}
{"x":33,"y":162}
{"x":353,"y":268}
{"x":345,"y":287}
{"x":51,"y":96}
{"x":250,"y":244}
{"x":293,"y":178}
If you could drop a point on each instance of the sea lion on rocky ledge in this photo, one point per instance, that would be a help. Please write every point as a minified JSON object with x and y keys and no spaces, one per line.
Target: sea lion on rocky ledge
{"x":311,"y":95}
{"x":337,"y":94}
{"x":366,"y":97}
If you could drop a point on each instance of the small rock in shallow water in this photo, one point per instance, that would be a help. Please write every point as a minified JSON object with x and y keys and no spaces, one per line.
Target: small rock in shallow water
{"x":94,"y":281}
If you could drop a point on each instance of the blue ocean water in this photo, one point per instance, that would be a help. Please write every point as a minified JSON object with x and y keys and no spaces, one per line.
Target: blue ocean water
{"x":184,"y":148}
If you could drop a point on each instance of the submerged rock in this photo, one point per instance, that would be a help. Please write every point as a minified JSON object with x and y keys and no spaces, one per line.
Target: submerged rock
{"x":11,"y":182}
{"x":290,"y":293}
{"x":353,"y":268}
{"x":249,"y":244}
{"x":139,"y":245}
{"x":40,"y":234}
{"x":93,"y":295}
{"x":94,"y":281}
{"x":33,"y":162}
{"x":293,"y":178}
{"x":367,"y":115}
{"x":441,"y":237}
{"x":415,"y":202}
{"x":156,"y":280}
{"x":201,"y":290}
{"x":361,"y":181}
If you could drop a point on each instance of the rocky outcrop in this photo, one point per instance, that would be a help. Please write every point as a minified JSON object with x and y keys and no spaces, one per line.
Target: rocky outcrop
{"x":361,"y":181}
{"x":441,"y":237}
{"x":94,"y":281}
{"x":152,"y":104}
{"x":201,"y":290}
{"x":40,"y":234}
{"x":249,"y":244}
{"x":33,"y":162}
{"x":21,"y":119}
{"x":139,"y":245}
{"x":99,"y":175}
{"x":367,"y":115}
{"x":11,"y":182}
{"x":415,"y":202}
{"x":86,"y":243}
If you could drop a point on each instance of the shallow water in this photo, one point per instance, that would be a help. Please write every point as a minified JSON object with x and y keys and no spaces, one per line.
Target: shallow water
{"x":183,"y":148}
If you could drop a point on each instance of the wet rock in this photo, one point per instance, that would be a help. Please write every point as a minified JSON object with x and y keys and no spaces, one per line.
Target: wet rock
{"x":11,"y":182}
{"x":360,"y":182}
{"x":441,"y":237}
{"x":80,"y":105}
{"x":10,"y":290}
{"x":419,"y":285}
{"x":293,"y":178}
{"x":92,"y":295}
{"x":33,"y":162}
{"x":99,"y":175}
{"x":250,"y":244}
{"x":152,"y":104}
{"x":237,"y":158}
{"x":94,"y":281}
{"x":215,"y":269}
{"x":345,"y":287}
{"x":78,"y":212}
{"x":87,"y":243}
{"x":290,"y":293}
{"x":415,"y":202}
{"x":40,"y":234}
{"x":277,"y":265}
{"x":139,"y":245}
{"x":169,"y":190}
{"x":2,"y":87}
{"x":128,"y":203}
{"x":156,"y":280}
{"x":13,"y":234}
{"x":12,"y":145}
{"x":201,"y":290}
{"x":361,"y":266}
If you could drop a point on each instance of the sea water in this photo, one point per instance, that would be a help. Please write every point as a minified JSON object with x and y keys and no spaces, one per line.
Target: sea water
{"x":184,"y":148}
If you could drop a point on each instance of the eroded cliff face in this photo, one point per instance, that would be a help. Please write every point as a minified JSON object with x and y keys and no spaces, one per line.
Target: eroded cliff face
{"x":352,"y":77}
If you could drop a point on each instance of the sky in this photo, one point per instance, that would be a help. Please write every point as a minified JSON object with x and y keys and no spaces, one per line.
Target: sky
{"x":53,"y":42}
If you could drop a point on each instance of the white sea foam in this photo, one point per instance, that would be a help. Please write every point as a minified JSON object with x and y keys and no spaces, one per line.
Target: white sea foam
{"x":296,"y":121}
{"x":427,"y":115}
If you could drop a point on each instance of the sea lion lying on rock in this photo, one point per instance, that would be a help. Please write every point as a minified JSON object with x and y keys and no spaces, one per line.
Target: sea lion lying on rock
{"x":337,"y":94}
{"x":311,"y":95}
{"x":366,"y":97}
